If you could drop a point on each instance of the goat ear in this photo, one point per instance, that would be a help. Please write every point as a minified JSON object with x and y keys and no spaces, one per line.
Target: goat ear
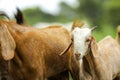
{"x":7,"y":43}
{"x":67,"y":48}
{"x":19,"y":17}
{"x":77,"y":23}
{"x":94,"y":47}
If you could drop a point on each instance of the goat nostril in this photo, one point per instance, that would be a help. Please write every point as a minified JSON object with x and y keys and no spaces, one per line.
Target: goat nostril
{"x":77,"y":56}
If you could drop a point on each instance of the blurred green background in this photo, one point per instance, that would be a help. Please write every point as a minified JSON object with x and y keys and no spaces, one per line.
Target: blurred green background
{"x":102,"y":13}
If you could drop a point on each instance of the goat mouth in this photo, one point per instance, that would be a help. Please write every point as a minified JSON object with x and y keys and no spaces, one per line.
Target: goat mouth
{"x":77,"y":56}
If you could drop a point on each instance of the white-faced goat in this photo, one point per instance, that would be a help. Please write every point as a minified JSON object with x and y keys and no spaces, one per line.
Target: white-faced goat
{"x":98,"y":61}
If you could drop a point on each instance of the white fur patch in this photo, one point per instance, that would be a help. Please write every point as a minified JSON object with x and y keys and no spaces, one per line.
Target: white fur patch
{"x":80,"y":35}
{"x":81,"y":62}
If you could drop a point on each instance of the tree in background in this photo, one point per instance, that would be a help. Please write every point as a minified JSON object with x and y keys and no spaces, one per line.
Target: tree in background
{"x":100,"y":12}
{"x":103,"y":13}
{"x":97,"y":12}
{"x":112,"y":8}
{"x":67,"y":13}
{"x":92,"y":10}
{"x":35,"y":15}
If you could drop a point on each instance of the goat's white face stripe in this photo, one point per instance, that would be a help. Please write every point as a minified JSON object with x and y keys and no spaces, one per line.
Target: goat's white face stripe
{"x":79,"y":36}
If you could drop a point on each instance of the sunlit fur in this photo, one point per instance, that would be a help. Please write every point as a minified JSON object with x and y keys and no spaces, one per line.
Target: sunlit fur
{"x":102,"y":60}
{"x":37,"y":52}
{"x":80,"y":35}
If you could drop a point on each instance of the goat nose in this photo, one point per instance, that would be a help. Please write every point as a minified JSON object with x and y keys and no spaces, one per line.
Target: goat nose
{"x":77,"y":56}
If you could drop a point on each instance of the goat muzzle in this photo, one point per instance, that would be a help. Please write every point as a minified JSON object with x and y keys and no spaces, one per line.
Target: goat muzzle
{"x":77,"y":56}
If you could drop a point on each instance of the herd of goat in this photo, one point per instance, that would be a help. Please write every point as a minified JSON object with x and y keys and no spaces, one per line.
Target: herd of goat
{"x":51,"y":53}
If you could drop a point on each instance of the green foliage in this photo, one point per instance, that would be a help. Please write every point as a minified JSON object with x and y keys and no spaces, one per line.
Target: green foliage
{"x":91,"y":9}
{"x":104,"y":31}
{"x":112,"y":8}
{"x":102,"y":13}
{"x":67,"y":13}
{"x":97,"y":12}
{"x":34,"y":15}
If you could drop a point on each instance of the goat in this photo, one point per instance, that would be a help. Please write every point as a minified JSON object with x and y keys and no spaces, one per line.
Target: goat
{"x":35,"y":52}
{"x":4,"y":75}
{"x":98,"y":61}
{"x":61,"y":76}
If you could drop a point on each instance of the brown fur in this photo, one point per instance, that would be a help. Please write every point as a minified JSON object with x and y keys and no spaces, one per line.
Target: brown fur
{"x":102,"y":61}
{"x":4,"y":75}
{"x":3,"y":68}
{"x":37,"y":52}
{"x":109,"y":52}
{"x":61,"y":76}
{"x":77,"y":23}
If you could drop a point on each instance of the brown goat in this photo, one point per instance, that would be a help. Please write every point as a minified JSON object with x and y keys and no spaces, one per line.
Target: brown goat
{"x":4,"y":75}
{"x":36,"y":51}
{"x":61,"y":76}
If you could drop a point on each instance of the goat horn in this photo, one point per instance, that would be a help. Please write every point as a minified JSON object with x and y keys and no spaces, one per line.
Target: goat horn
{"x":4,"y":14}
{"x":93,"y":28}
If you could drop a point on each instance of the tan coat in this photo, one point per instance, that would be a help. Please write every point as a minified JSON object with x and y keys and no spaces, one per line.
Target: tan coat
{"x":102,"y":61}
{"x":37,"y":51}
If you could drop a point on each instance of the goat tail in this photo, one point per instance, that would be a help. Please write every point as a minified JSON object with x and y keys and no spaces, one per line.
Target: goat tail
{"x":118,"y":36}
